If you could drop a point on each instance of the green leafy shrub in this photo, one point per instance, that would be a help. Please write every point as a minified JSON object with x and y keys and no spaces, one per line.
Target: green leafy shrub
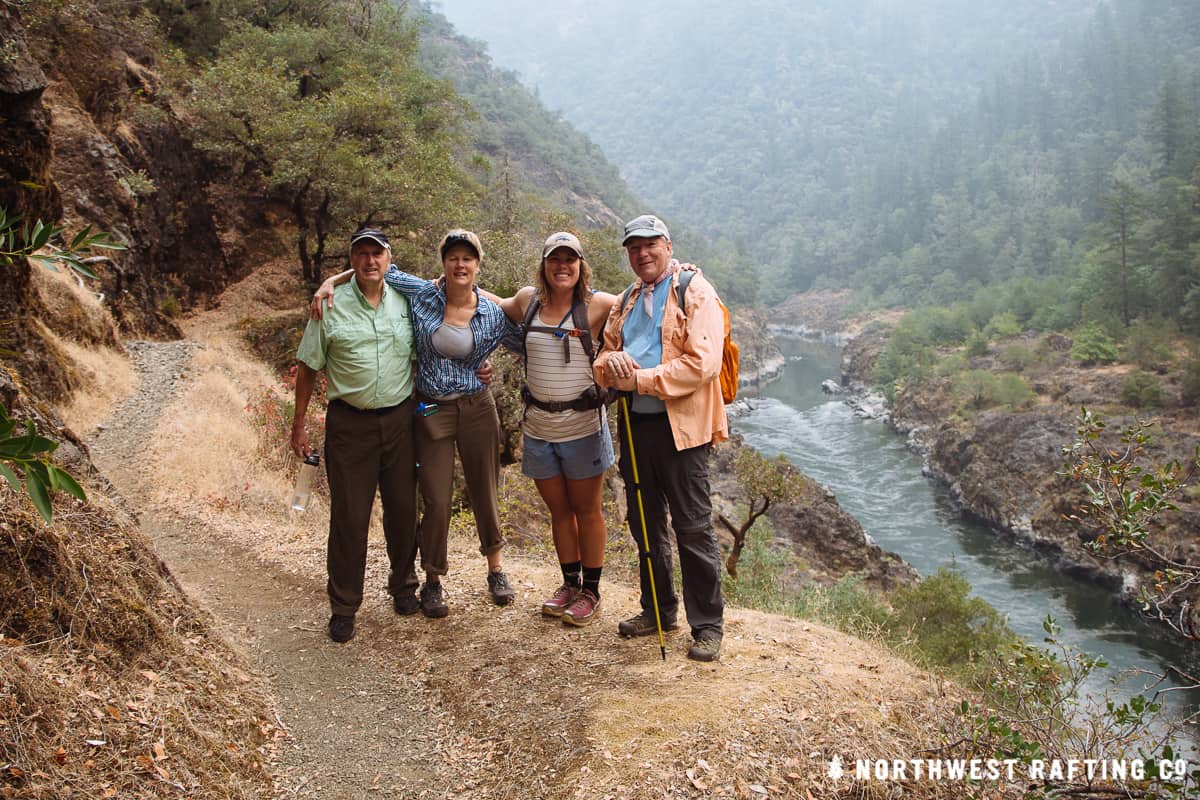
{"x":1190,"y":382}
{"x":951,"y":365}
{"x":1017,"y":357}
{"x":759,"y":583}
{"x":977,"y":344}
{"x":1141,"y":390}
{"x":1093,"y":346}
{"x":1003,"y":325}
{"x":1147,"y":345}
{"x":1012,"y":391}
{"x":948,"y":627}
{"x":979,"y":389}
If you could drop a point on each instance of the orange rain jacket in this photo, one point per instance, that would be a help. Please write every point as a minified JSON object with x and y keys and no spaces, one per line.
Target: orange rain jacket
{"x":692,"y":344}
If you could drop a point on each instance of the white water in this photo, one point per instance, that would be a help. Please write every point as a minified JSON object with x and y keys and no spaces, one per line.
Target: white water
{"x":879,"y":481}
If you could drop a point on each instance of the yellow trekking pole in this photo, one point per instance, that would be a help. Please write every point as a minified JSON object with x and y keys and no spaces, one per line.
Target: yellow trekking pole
{"x":662,"y":644}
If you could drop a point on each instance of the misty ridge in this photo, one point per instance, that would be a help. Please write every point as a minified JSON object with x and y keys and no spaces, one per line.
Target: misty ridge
{"x":916,"y":152}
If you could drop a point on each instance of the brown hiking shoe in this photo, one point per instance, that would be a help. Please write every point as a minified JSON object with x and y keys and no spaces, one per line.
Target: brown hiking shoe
{"x":643,"y":625}
{"x":583,"y":610}
{"x":563,"y":596}
{"x":706,"y":648}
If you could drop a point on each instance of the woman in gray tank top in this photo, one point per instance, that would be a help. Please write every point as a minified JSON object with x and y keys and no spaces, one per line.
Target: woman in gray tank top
{"x":567,"y":446}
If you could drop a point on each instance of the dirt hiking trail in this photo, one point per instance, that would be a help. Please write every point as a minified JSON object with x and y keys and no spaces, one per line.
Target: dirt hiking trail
{"x":489,"y":702}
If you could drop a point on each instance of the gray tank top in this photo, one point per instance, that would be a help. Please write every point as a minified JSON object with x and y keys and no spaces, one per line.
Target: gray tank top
{"x":453,"y":341}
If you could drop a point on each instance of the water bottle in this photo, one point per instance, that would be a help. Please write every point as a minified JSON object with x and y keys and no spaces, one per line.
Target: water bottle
{"x":304,"y":482}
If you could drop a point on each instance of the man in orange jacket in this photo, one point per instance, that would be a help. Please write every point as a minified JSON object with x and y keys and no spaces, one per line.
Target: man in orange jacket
{"x":668,"y":359}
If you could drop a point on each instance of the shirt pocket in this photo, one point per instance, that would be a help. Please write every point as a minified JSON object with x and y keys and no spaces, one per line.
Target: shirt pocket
{"x":402,"y":337}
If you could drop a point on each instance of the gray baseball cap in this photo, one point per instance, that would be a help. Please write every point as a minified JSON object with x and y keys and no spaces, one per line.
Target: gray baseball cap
{"x":647,"y":226}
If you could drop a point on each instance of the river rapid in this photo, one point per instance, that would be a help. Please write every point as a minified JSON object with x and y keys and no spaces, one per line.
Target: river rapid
{"x":879,"y":481}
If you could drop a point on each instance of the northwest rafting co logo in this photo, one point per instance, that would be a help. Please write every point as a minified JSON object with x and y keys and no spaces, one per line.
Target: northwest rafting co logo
{"x":978,"y":770}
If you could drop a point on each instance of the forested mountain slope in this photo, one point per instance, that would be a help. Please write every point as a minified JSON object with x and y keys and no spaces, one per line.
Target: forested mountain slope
{"x":918,"y":150}
{"x":526,"y":144}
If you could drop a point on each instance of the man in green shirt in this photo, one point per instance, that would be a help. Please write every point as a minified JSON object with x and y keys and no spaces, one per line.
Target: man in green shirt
{"x":364,"y":344}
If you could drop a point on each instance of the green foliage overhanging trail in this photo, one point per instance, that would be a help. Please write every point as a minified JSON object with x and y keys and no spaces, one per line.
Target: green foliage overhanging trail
{"x":332,"y":112}
{"x":25,"y":455}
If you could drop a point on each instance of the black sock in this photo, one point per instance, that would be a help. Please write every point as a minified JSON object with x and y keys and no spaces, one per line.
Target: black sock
{"x":591,"y":579}
{"x":571,"y":573}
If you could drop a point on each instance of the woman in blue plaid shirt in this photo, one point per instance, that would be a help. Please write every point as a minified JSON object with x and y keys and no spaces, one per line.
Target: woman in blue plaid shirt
{"x":455,"y":329}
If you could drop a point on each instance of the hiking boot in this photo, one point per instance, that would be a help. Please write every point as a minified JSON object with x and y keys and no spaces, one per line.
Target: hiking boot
{"x":583,"y":610}
{"x":563,"y":596}
{"x":643,"y":625}
{"x":433,"y":601}
{"x":706,"y":648}
{"x":406,"y":604}
{"x":501,"y":589}
{"x":341,"y":627}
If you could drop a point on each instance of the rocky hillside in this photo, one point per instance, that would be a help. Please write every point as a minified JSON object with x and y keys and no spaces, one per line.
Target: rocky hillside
{"x":1003,"y":464}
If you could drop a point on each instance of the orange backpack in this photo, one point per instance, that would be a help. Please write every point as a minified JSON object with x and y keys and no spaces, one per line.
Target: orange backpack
{"x":729,"y":352}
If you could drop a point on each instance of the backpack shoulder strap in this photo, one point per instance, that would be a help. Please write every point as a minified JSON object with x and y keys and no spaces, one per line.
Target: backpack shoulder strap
{"x":579,"y":317}
{"x":685,"y":280}
{"x":531,"y":311}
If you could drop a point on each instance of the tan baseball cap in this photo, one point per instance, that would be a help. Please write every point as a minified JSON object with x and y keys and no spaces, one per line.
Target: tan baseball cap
{"x":562,"y":239}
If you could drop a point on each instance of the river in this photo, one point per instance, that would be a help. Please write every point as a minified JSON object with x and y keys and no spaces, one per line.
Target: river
{"x":879,"y":481}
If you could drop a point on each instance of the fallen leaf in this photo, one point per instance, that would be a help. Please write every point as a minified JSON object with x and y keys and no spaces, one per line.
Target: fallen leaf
{"x":758,"y":788}
{"x":149,"y":675}
{"x":60,"y":755}
{"x":702,"y":764}
{"x":113,"y":712}
{"x":110,"y":792}
{"x":160,"y":752}
{"x":16,"y":772}
{"x":95,"y":742}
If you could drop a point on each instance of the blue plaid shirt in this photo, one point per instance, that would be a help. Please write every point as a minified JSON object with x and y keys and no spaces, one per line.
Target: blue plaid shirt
{"x":437,"y":375}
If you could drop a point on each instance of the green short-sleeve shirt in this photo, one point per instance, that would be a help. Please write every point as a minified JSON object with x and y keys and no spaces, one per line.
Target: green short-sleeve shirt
{"x":367,"y":353}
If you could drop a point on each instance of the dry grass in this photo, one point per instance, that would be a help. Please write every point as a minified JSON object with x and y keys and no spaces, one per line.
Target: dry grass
{"x":105,"y":377}
{"x":71,"y":310}
{"x":111,"y":683}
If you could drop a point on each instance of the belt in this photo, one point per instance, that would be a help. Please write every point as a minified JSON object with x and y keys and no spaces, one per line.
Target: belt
{"x":340,"y":403}
{"x":635,"y":416}
{"x":462,"y":398}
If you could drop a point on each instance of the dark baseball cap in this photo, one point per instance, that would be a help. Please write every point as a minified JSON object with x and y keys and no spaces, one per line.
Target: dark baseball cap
{"x":372,"y":234}
{"x":460,"y":236}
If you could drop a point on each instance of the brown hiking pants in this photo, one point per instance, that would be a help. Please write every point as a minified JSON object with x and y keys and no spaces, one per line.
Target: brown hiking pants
{"x":471,"y":425}
{"x":365,"y":450}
